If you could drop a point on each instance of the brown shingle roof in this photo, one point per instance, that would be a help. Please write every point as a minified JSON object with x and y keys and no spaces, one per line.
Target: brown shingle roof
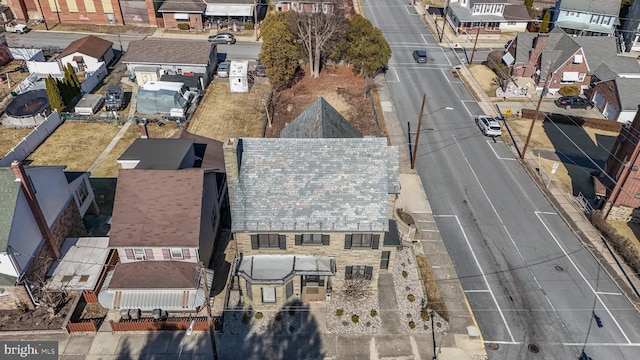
{"x":516,"y":12}
{"x":155,"y":275}
{"x":89,"y":45}
{"x":170,"y":52}
{"x":185,"y":6}
{"x":157,"y":208}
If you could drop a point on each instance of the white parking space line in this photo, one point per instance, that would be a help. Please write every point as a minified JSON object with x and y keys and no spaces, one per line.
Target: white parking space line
{"x":599,"y":344}
{"x":609,"y":293}
{"x":496,"y":154}
{"x":447,"y":78}
{"x":394,"y":72}
{"x":465,"y":106}
{"x":477,"y":291}
{"x":484,"y":277}
{"x":425,"y":39}
{"x":595,"y":293}
{"x":408,"y":8}
{"x":503,"y":342}
{"x":446,"y":57}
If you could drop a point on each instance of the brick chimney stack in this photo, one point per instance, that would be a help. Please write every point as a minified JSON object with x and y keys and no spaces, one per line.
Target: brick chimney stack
{"x":30,"y":195}
{"x":232,"y":150}
{"x":143,"y":130}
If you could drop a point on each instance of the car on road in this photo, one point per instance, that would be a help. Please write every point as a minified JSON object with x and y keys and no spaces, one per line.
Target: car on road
{"x":261,"y":70}
{"x":420,"y":56}
{"x":223,"y":69}
{"x":222,"y":38}
{"x":574,"y":102}
{"x":489,"y":126}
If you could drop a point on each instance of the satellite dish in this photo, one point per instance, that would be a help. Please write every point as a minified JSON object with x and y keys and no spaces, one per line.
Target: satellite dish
{"x":190,"y":329}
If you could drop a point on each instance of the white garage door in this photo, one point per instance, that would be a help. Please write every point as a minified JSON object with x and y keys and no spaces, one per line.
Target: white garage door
{"x":610,"y":112}
{"x":598,"y":99}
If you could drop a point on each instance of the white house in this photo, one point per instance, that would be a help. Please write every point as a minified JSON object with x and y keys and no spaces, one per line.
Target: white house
{"x":586,"y":17}
{"x":486,"y":17}
{"x":86,"y":53}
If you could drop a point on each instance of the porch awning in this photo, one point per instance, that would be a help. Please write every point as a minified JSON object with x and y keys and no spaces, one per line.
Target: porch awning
{"x":229,"y":10}
{"x":267,"y":269}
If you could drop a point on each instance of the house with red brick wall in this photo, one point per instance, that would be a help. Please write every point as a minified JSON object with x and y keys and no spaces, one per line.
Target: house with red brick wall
{"x":623,"y":169}
{"x":176,"y":12}
{"x":40,"y":207}
{"x":98,"y":12}
{"x":615,"y":87}
{"x":568,"y":60}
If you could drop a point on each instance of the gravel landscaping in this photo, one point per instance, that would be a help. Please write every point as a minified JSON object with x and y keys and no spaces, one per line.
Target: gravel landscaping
{"x":353,"y":316}
{"x":410,"y":296}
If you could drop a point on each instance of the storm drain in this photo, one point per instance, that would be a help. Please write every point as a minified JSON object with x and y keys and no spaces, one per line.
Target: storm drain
{"x":493,"y":346}
{"x":533,"y":348}
{"x":559,"y":268}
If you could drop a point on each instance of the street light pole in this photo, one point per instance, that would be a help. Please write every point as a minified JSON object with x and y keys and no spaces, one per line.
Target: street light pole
{"x":444,"y":21}
{"x":415,"y":145}
{"x":433,"y":335}
{"x":535,"y":117}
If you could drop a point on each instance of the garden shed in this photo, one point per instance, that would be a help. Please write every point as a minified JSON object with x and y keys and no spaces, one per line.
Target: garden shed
{"x":238,"y":81}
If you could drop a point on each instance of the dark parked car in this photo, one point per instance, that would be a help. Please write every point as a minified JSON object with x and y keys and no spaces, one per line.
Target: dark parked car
{"x":222,"y":38}
{"x":575,"y":102}
{"x":420,"y":56}
{"x":261,"y":70}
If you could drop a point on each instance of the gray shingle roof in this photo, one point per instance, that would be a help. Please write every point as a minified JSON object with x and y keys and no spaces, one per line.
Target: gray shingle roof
{"x":320,"y":120}
{"x":183,"y":6}
{"x":9,"y":189}
{"x":169,"y":52}
{"x":314,"y":184}
{"x":158,"y":154}
{"x":609,"y":7}
{"x":628,"y":93}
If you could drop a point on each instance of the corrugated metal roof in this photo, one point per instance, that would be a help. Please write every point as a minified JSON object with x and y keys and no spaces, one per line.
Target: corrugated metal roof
{"x":147,"y":300}
{"x":279,"y":268}
{"x":80,"y":257}
{"x":314,"y":184}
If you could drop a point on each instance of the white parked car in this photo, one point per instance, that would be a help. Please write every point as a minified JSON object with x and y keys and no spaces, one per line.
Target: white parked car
{"x":489,"y":126}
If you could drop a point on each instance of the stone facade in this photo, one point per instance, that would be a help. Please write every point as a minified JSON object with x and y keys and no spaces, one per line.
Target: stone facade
{"x":12,"y":296}
{"x":336,"y":250}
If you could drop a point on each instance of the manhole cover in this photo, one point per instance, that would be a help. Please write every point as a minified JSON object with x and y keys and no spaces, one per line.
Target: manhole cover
{"x":534,"y":348}
{"x":493,"y":346}
{"x":559,"y":268}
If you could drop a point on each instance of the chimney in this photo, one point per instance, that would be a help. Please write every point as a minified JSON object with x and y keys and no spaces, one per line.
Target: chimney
{"x":143,"y":129}
{"x":232,"y":150}
{"x":30,"y":195}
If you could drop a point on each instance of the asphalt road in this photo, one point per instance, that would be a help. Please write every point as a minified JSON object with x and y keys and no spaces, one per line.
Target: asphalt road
{"x":531,"y":283}
{"x":47,"y":40}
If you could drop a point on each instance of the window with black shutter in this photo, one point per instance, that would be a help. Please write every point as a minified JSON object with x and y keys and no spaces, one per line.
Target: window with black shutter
{"x":358,"y":272}
{"x":362,"y":241}
{"x":325,"y":239}
{"x":384,"y":260}
{"x":268,"y":241}
{"x":289,"y":289}
{"x":254,"y":242}
{"x":368,"y":272}
{"x":348,"y":272}
{"x":282,"y":242}
{"x":298,"y":239}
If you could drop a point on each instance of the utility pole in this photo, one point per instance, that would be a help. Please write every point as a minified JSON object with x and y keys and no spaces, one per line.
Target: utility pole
{"x":415,"y":146}
{"x":475,"y":43}
{"x":255,"y":19}
{"x":535,"y":117}
{"x":444,"y":20}
{"x":44,"y":19}
{"x":409,"y":136}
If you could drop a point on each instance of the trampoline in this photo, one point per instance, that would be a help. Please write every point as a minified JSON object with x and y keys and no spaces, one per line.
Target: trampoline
{"x":28,"y":104}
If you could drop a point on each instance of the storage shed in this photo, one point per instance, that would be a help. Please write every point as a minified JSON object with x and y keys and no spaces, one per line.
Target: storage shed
{"x":238,"y":76}
{"x":89,"y":104}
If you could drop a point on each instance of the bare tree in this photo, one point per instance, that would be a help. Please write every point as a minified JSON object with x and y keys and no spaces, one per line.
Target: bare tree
{"x":357,"y":288}
{"x":318,"y":32}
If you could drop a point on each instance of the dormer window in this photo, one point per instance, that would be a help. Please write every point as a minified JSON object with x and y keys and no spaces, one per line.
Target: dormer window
{"x":577,"y":59}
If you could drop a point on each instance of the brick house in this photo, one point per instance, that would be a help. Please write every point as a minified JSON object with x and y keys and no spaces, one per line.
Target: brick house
{"x":310,"y":214}
{"x":569,"y":60}
{"x":176,"y":12}
{"x":164,"y":231}
{"x":39,"y":208}
{"x":623,"y":191}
